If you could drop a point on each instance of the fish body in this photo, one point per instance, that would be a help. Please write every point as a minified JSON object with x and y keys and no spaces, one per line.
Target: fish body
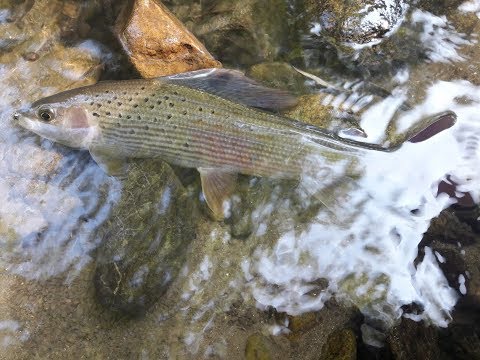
{"x":184,"y":122}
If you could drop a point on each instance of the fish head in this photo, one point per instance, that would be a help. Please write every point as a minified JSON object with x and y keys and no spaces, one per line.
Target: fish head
{"x":61,"y":119}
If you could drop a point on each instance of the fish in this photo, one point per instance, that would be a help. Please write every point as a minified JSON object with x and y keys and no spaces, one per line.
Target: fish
{"x":215,"y":120}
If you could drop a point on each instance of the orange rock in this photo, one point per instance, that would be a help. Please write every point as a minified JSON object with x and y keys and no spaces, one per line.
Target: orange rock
{"x":157,"y":42}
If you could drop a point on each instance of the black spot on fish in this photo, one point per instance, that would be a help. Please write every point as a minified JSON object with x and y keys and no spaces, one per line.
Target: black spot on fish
{"x":136,"y":93}
{"x":96,"y":114}
{"x":124,"y":93}
{"x":200,"y":109}
{"x":153,"y":95}
{"x":135,"y":105}
{"x":129,"y":117}
{"x":155,"y":120}
{"x":186,"y":145}
{"x":175,"y":127}
{"x":97,"y":95}
{"x":169,"y":116}
{"x":212,"y":112}
{"x":166,"y":97}
{"x":119,"y":125}
{"x":146,"y":127}
{"x":183,"y":99}
{"x":162,"y":130}
{"x":142,"y":88}
{"x":132,"y":131}
{"x":119,"y":103}
{"x":184,"y":112}
{"x":139,"y":117}
{"x":170,"y":142}
{"x":91,"y":103}
{"x":99,"y":105}
{"x":130,"y":99}
{"x":159,"y":102}
{"x":151,"y":106}
{"x":175,"y":93}
{"x":108,"y":113}
{"x":114,"y":98}
{"x":170,"y":104}
{"x":120,"y":116}
{"x":109,"y":101}
{"x":106,"y":91}
{"x":146,"y":99}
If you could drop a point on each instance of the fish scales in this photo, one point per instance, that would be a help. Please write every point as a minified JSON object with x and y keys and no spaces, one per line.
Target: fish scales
{"x":196,"y":129}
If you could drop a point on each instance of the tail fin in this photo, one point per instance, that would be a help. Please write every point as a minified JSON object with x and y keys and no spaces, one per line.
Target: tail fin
{"x":419,"y":132}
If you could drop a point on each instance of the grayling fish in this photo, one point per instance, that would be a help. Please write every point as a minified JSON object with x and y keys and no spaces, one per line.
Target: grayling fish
{"x":204,"y":119}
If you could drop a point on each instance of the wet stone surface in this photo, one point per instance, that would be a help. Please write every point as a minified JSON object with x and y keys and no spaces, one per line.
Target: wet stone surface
{"x":159,"y":50}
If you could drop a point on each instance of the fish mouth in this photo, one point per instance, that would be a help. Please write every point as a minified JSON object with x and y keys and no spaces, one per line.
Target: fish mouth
{"x":23,"y":121}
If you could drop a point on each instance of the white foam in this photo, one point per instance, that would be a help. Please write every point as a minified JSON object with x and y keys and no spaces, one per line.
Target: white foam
{"x":471,"y":6}
{"x":11,"y":333}
{"x":53,"y":199}
{"x":461,"y":282}
{"x":375,"y":253}
{"x":439,"y":37}
{"x":4,"y":14}
{"x":316,"y":28}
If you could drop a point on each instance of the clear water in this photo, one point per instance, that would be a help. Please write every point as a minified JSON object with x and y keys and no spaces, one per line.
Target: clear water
{"x":53,"y":200}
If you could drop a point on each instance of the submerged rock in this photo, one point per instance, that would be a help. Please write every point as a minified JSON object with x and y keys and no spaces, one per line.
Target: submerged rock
{"x":456,"y":244}
{"x":278,"y":75}
{"x":145,"y":239}
{"x":414,"y":340}
{"x":157,"y":42}
{"x":341,"y":345}
{"x":243,"y":33}
{"x":258,"y":347}
{"x":356,"y":22}
{"x":31,"y":47}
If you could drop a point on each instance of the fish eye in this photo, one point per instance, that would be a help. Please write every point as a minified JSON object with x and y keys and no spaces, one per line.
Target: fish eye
{"x":46,"y":114}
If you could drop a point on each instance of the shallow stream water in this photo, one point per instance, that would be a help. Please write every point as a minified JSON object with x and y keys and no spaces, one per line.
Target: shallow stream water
{"x":84,"y":275}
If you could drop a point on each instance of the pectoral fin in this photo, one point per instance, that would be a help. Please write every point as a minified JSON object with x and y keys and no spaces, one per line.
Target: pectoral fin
{"x":113,"y":166}
{"x":235,"y":86}
{"x":217,"y":187}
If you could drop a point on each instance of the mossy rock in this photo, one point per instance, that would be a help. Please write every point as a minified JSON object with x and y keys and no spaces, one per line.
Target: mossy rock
{"x":145,"y":240}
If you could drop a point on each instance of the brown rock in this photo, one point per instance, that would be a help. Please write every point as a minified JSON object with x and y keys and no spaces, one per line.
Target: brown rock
{"x":415,"y":340}
{"x":340,"y":345}
{"x":157,"y":42}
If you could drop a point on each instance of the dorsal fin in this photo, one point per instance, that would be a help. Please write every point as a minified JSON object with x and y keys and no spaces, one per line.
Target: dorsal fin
{"x":234,"y":85}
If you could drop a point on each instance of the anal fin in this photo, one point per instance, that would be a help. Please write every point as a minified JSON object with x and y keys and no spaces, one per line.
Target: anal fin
{"x":217,"y":187}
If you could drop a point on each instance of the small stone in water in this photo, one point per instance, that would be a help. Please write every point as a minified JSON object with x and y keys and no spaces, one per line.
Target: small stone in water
{"x":31,"y":56}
